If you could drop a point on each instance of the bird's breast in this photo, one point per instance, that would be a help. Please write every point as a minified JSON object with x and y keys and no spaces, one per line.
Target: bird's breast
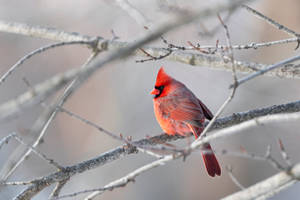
{"x":169,"y":125}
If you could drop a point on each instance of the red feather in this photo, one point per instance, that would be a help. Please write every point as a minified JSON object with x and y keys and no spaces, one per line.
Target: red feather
{"x":179,"y":111}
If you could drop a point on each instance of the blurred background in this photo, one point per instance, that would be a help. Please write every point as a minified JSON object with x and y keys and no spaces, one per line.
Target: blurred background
{"x":117,"y":96}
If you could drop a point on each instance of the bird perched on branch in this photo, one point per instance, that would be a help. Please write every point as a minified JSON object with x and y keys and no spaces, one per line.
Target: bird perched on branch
{"x":179,"y":111}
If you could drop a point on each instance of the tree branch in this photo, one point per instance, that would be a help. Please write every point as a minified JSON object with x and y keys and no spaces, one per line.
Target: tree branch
{"x":121,"y":151}
{"x":38,"y":51}
{"x":45,"y":89}
{"x":39,"y":128}
{"x":194,"y":59}
{"x":268,"y":187}
{"x":265,"y":70}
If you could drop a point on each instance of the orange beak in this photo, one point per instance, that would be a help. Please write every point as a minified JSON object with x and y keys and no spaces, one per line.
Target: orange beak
{"x":155,"y":91}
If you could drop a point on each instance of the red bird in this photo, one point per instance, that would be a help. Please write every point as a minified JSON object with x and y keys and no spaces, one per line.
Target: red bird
{"x":179,"y":111}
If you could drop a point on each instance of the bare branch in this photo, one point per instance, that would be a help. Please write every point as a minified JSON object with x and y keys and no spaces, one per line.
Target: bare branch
{"x":41,"y":155}
{"x":291,"y":174}
{"x":16,"y":183}
{"x":124,"y":150}
{"x":213,"y":31}
{"x":253,"y":45}
{"x":246,"y":125}
{"x":45,"y":89}
{"x":38,"y":51}
{"x":126,"y":179}
{"x":142,"y":148}
{"x":284,"y":154}
{"x":272,"y":160}
{"x":271,"y":21}
{"x":168,"y":52}
{"x":219,"y":134}
{"x":139,"y":17}
{"x":269,"y":68}
{"x":122,"y":183}
{"x":233,"y":178}
{"x":15,"y":106}
{"x":57,"y":189}
{"x":232,"y":92}
{"x":6,"y":139}
{"x":268,"y":187}
{"x":213,"y":62}
{"x":40,"y":127}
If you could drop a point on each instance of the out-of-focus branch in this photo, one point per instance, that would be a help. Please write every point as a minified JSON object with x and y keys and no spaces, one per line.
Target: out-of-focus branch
{"x":37,"y":51}
{"x":114,"y":154}
{"x":271,"y":21}
{"x":229,"y":170}
{"x":39,"y":129}
{"x":268,"y":187}
{"x":45,"y":89}
{"x":194,"y":59}
{"x":138,"y":16}
{"x":6,"y":139}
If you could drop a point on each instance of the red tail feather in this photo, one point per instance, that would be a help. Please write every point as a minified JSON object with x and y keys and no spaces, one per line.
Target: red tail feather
{"x":210,"y":161}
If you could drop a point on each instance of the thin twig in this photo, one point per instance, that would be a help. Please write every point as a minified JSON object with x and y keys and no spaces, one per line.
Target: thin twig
{"x":41,"y":155}
{"x":6,"y":139}
{"x":115,"y":154}
{"x":252,"y":45}
{"x":133,"y":12}
{"x":169,"y":52}
{"x":284,"y":154}
{"x":89,"y":70}
{"x":232,"y":92}
{"x":218,"y":134}
{"x":269,"y":68}
{"x":38,"y":51}
{"x":143,"y":148}
{"x":272,"y":160}
{"x":198,"y":48}
{"x":58,"y":188}
{"x":40,"y":127}
{"x":14,"y":183}
{"x":233,"y":178}
{"x":213,"y":31}
{"x":273,"y":22}
{"x":249,"y":155}
{"x":178,"y":56}
{"x":13,"y":107}
{"x":246,"y":125}
{"x":268,"y":187}
{"x":131,"y":176}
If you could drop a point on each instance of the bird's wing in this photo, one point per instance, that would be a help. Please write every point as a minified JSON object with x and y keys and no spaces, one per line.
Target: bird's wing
{"x":183,"y":109}
{"x":207,"y":113}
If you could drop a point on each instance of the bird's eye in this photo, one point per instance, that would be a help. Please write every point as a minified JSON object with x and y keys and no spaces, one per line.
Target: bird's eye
{"x":160,"y":88}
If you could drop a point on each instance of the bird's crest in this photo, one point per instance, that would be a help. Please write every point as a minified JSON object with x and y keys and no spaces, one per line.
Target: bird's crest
{"x":162,"y":77}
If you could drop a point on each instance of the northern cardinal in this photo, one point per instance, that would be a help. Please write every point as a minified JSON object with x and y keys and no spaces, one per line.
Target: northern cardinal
{"x":179,"y":111}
